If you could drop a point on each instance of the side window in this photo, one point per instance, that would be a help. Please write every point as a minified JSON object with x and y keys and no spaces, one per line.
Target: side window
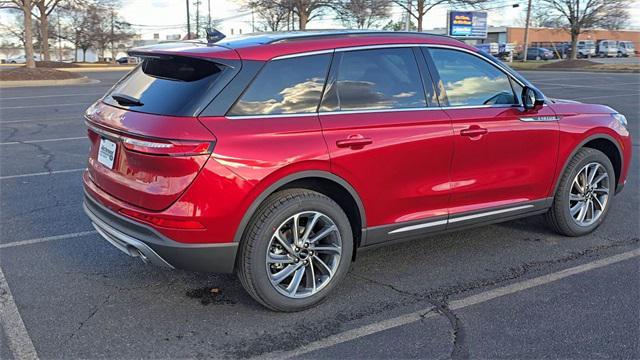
{"x":287,"y":86}
{"x":375,"y":79}
{"x":469,"y":80}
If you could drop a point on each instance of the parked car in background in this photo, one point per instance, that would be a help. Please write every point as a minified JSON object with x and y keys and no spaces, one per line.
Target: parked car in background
{"x":539,"y":53}
{"x":127,"y":60}
{"x":21,"y":59}
{"x":626,"y":49}
{"x":607,"y":48}
{"x":279,"y":156}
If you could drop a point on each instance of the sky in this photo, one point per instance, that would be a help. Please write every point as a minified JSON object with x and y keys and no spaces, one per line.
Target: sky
{"x":154,"y":15}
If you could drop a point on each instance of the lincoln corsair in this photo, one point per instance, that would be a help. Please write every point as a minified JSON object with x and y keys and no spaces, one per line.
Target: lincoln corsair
{"x":278,"y":156}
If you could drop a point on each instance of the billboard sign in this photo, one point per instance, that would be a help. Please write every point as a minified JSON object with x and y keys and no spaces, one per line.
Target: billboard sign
{"x":467,"y":24}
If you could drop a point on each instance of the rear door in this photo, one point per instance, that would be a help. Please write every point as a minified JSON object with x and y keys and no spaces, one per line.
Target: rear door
{"x":388,"y":138}
{"x":502,"y":155}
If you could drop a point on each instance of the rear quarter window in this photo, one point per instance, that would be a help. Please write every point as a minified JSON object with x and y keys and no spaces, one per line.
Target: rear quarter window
{"x":285,"y":86}
{"x":178,"y":86}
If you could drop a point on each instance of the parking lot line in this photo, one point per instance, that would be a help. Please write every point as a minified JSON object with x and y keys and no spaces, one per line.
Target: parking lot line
{"x":48,"y":96}
{"x":18,"y":338}
{"x":613,"y":87}
{"x":42,"y":140}
{"x":40,"y":174}
{"x":40,"y":119}
{"x":43,"y":106}
{"x":454,"y":305}
{"x":606,"y":96}
{"x":45,"y":239}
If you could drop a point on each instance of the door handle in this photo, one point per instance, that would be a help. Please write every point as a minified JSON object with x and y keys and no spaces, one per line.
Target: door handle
{"x":354,"y":142}
{"x":474,"y":131}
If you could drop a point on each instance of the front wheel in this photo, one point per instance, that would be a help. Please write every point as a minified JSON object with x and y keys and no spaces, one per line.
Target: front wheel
{"x":295,"y":251}
{"x":584,"y":194}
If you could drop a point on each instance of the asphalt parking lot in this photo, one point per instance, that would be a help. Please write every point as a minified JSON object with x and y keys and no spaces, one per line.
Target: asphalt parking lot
{"x":511,"y":290}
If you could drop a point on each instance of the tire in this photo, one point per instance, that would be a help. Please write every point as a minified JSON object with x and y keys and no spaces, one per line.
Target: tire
{"x":560,"y":217}
{"x":538,"y":58}
{"x":259,"y":241}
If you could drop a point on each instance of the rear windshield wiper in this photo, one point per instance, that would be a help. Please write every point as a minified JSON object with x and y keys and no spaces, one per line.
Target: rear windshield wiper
{"x":126,"y":100}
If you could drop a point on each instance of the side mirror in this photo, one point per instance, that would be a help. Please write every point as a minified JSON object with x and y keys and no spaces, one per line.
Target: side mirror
{"x":532,"y":99}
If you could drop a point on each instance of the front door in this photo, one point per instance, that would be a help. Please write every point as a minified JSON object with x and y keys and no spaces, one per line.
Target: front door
{"x":502,"y":155}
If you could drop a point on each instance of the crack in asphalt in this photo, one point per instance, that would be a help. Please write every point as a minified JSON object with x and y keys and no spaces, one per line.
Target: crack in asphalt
{"x":299,"y":335}
{"x":91,"y":315}
{"x":459,"y":347}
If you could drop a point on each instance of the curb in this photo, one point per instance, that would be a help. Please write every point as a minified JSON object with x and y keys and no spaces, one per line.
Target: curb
{"x":30,"y":83}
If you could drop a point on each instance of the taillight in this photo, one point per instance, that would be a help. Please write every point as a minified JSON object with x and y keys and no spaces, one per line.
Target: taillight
{"x":157,"y":146}
{"x":163,"y":222}
{"x":172,"y":148}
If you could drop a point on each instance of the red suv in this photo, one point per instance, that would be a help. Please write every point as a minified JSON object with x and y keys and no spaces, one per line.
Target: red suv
{"x":277,"y":156}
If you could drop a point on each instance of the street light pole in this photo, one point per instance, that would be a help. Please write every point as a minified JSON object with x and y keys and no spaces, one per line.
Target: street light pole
{"x":526,"y":32}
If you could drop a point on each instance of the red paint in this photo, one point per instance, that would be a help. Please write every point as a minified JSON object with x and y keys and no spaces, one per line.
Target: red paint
{"x":404,"y":166}
{"x":510,"y":161}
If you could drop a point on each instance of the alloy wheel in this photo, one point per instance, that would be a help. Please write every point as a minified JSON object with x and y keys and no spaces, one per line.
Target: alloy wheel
{"x":589,"y":194}
{"x":303,"y":254}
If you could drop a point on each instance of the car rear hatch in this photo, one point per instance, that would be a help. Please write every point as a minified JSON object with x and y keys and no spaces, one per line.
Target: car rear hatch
{"x":147,"y":144}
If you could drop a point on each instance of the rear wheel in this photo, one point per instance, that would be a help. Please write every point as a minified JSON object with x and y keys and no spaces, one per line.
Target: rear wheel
{"x":295,"y":251}
{"x":583,"y":197}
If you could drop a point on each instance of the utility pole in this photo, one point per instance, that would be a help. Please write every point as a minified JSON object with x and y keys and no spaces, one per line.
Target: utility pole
{"x":59,"y":39}
{"x":188,"y":23}
{"x":113,"y":48}
{"x":253,"y":22}
{"x":209,"y":14}
{"x":407,"y":25}
{"x":197,"y":18}
{"x":526,"y":32}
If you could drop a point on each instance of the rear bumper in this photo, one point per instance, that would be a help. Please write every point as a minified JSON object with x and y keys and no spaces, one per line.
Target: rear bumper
{"x":138,"y":240}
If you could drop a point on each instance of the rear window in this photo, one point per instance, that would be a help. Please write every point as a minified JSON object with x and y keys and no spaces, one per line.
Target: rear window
{"x":178,"y":86}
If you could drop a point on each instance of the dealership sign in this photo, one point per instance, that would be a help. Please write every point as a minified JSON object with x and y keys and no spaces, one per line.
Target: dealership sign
{"x":467,"y":24}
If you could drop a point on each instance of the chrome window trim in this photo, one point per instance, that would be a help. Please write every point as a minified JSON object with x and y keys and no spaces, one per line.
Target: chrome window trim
{"x":409,"y":45}
{"x":458,"y":218}
{"x":480,"y":106}
{"x":370,"y":111}
{"x":303,"y":54}
{"x":366,"y":111}
{"x":248,"y":117}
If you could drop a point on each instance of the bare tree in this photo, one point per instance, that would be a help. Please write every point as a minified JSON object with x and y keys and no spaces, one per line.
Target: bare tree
{"x":272,"y":14}
{"x":26,"y":6}
{"x":307,"y":10}
{"x":576,"y":16}
{"x":417,"y":9}
{"x":44,"y":7}
{"x":363,"y":14}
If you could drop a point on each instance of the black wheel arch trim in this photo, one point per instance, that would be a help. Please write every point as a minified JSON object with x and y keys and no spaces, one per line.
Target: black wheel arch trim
{"x":580,"y":146}
{"x":297,"y":176}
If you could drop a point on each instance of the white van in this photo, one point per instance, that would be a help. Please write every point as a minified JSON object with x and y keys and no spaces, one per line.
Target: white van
{"x":586,"y":48}
{"x":607,"y":48}
{"x":626,"y":48}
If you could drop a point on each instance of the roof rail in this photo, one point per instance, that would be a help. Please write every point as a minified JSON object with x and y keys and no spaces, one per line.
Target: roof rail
{"x":311,"y":34}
